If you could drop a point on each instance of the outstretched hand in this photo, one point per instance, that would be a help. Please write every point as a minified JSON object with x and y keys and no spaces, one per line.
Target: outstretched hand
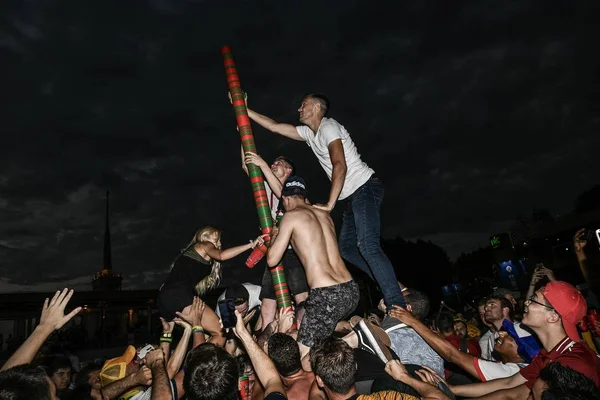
{"x":260,"y":240}
{"x":53,"y":312}
{"x":403,"y":315}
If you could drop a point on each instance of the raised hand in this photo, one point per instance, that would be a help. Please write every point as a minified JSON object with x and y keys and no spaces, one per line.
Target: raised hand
{"x":253,"y":158}
{"x":154,"y":357}
{"x":193,"y":313}
{"x":286,"y":320}
{"x":579,"y":242}
{"x":53,"y":312}
{"x":167,"y":327}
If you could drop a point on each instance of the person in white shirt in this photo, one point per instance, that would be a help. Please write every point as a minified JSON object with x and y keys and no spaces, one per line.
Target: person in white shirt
{"x":351,"y":179}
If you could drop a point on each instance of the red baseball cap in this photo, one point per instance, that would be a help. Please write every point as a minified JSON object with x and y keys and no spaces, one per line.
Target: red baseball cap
{"x":569,"y":303}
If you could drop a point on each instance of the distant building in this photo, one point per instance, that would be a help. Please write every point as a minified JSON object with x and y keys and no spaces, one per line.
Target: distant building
{"x":529,"y":226}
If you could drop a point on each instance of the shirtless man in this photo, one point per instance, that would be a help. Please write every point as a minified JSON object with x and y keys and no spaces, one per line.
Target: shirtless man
{"x":333,"y":293}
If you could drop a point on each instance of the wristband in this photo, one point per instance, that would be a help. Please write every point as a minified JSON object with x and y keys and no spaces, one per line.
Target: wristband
{"x":251,"y":245}
{"x":166,"y":340}
{"x":198,"y":329}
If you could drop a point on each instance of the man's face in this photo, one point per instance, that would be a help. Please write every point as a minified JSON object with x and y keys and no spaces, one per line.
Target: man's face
{"x":280,"y":169}
{"x":61,"y":378}
{"x":242,"y":308}
{"x":482,"y":315}
{"x":536,"y":310}
{"x":307,"y":110}
{"x":460,"y":329}
{"x":493,"y":311}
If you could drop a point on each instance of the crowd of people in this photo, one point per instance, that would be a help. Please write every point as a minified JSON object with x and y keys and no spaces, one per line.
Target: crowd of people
{"x":319,"y":349}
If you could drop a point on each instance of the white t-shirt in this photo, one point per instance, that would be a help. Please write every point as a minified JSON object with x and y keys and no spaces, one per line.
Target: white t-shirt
{"x":488,"y":370}
{"x":484,"y":344}
{"x":253,"y":298}
{"x":357,"y":173}
{"x":273,"y":202}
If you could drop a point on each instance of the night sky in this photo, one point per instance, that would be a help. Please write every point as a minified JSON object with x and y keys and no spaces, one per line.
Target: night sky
{"x":471,"y":112}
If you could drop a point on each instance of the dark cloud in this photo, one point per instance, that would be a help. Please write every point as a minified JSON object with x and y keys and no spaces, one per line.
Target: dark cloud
{"x":471,"y":112}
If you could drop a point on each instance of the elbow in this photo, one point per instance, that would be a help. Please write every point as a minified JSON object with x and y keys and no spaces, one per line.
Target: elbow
{"x":272,"y":261}
{"x":341,"y":168}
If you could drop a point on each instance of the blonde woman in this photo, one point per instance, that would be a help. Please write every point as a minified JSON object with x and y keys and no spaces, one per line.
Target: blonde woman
{"x":195,"y":272}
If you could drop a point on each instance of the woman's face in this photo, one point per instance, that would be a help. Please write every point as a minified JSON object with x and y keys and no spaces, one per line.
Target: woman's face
{"x":61,"y":378}
{"x":216,"y":240}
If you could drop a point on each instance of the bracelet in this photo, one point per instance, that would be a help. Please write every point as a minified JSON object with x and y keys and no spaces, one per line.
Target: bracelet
{"x":166,"y":340}
{"x":251,"y":245}
{"x":166,"y":335}
{"x":198,"y":329}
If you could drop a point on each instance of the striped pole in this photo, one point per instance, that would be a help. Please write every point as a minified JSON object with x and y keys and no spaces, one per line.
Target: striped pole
{"x":282,"y":293}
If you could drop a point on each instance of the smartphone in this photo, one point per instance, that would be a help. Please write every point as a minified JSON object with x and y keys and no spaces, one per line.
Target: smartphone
{"x":227,"y":311}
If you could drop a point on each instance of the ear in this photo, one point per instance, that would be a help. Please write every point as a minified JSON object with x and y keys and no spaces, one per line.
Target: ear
{"x":409,"y":307}
{"x":319,"y":382}
{"x":553,"y":318}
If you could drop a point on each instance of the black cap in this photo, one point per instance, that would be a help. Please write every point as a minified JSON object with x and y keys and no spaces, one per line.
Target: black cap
{"x":237,"y":292}
{"x":294,"y":185}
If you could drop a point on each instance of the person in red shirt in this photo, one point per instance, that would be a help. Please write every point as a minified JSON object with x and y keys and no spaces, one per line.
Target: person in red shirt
{"x":552,"y":313}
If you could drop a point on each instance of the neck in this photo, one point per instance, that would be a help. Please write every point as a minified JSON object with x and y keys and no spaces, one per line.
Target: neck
{"x":550,"y":339}
{"x":498,"y":324}
{"x":293,"y":377}
{"x":314,"y":124}
{"x":337,"y":396}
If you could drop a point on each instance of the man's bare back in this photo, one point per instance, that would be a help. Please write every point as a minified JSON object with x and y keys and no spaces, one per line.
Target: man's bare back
{"x":314,"y":241}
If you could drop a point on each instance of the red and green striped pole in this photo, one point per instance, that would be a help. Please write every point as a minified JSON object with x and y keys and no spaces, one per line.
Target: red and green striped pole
{"x":282,"y":293}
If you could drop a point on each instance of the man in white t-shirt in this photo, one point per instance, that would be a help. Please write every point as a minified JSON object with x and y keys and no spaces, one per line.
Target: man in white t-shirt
{"x":351,"y":179}
{"x":275,"y":176}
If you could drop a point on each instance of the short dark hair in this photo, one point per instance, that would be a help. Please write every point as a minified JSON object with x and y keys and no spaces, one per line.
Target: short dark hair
{"x":504,"y":304}
{"x":419,"y":303}
{"x":83,"y":375}
{"x":319,"y":98}
{"x":24,"y":382}
{"x":445,"y":322}
{"x":288,"y":162}
{"x":564,"y":382}
{"x":285,"y":353}
{"x":57,"y":362}
{"x":211,"y":374}
{"x":333,"y":361}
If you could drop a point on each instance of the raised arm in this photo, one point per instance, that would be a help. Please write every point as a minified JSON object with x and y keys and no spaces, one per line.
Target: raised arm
{"x":269,"y":124}
{"x":53,"y":317}
{"x":443,"y":347}
{"x":274,"y":183}
{"x":227,"y":254}
{"x":267,"y":374}
{"x":280,"y":239}
{"x":338,"y":175}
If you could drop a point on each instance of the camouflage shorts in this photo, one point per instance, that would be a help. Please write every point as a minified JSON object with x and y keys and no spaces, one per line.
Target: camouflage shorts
{"x":326,"y":306}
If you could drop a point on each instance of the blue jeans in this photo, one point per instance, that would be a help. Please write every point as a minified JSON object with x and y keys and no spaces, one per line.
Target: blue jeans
{"x":360,"y":240}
